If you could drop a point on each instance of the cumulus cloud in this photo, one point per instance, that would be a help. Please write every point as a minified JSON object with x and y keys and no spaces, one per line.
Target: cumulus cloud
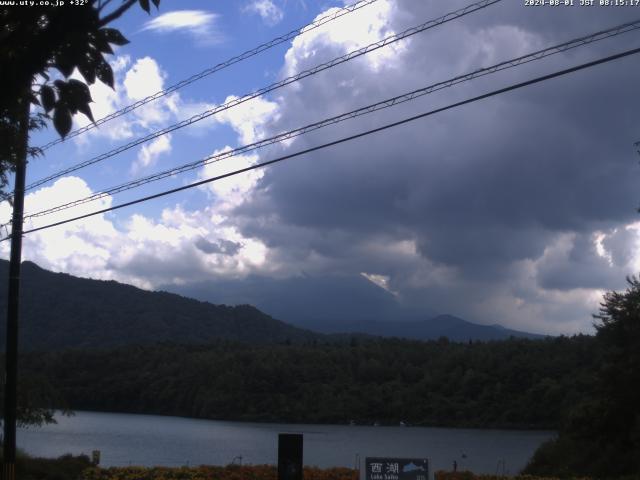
{"x":500,"y":208}
{"x":199,"y":24}
{"x":134,"y":80}
{"x":345,"y":34}
{"x":249,"y":119}
{"x":219,"y":246}
{"x":171,"y":249}
{"x":517,"y":210}
{"x":82,"y":247}
{"x":177,"y":247}
{"x":270,"y":13}
{"x":105,"y":101}
{"x":150,"y":152}
{"x":143,"y":79}
{"x":232,"y":191}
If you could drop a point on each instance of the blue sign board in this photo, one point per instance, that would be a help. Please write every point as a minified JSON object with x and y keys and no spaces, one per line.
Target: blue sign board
{"x":379,"y":468}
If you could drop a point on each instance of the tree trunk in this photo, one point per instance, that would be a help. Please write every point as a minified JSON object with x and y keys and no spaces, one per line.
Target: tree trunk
{"x":11,"y":359}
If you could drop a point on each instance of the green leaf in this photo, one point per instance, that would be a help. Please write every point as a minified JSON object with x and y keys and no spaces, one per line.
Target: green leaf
{"x":48,"y":98}
{"x":112,"y":35}
{"x":76,"y":96}
{"x":64,"y":65}
{"x":104,"y":73}
{"x":87,"y":68}
{"x":145,"y":5}
{"x":66,"y":57}
{"x":62,"y":119}
{"x":79,"y":91}
{"x":86,"y":109}
{"x":102,"y":45}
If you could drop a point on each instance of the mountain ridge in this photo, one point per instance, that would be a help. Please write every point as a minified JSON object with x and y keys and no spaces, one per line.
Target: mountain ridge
{"x":60,"y":311}
{"x":343,"y":304}
{"x":453,"y":328}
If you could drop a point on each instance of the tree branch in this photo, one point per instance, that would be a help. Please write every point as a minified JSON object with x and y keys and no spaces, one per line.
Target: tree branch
{"x":117,"y":13}
{"x":102,"y":4}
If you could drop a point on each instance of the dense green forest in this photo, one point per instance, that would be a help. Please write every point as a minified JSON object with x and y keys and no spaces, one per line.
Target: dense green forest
{"x":60,"y":311}
{"x":515,"y":383}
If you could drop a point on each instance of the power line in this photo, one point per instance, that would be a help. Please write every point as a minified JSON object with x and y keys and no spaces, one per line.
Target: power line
{"x":294,"y":78}
{"x":537,"y":55}
{"x":216,"y":68}
{"x":344,"y":139}
{"x":299,"y":76}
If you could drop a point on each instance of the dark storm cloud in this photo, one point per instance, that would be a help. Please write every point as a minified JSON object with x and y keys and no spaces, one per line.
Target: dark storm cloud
{"x":580,"y":266}
{"x":158,"y":267}
{"x":226,"y":247}
{"x":621,"y":244}
{"x":480,"y":189}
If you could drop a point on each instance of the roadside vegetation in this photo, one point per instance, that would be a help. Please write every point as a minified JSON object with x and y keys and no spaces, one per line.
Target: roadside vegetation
{"x":441,"y":475}
{"x":230,"y":472}
{"x":66,"y":467}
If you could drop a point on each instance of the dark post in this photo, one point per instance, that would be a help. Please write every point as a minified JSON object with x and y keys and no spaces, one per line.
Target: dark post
{"x":290,"y":456}
{"x":11,"y":352}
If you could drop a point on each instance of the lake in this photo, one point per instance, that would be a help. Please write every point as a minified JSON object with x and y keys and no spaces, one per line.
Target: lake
{"x":125,"y":439}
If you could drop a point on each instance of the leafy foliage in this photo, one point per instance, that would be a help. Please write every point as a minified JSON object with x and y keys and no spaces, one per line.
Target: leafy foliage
{"x":515,"y":383}
{"x":36,"y":42}
{"x":37,"y":398}
{"x":66,"y":467}
{"x":602,"y":434}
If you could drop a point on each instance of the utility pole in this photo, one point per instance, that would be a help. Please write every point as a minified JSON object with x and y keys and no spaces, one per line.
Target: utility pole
{"x":11,"y":351}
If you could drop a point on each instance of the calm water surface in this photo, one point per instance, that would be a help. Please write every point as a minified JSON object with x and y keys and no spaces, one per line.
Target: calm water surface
{"x":125,"y":439}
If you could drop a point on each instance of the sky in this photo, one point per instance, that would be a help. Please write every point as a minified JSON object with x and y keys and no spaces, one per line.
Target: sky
{"x":520,"y":209}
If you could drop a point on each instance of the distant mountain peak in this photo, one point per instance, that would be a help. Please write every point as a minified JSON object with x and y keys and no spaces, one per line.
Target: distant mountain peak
{"x":96,"y":314}
{"x":343,"y":304}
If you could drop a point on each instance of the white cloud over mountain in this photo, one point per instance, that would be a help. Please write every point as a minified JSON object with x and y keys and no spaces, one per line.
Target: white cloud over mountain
{"x":517,"y":210}
{"x":176,"y":248}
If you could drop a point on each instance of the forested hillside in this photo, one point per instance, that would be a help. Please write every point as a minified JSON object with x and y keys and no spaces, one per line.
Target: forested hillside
{"x":61,"y":311}
{"x":514,"y":383}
